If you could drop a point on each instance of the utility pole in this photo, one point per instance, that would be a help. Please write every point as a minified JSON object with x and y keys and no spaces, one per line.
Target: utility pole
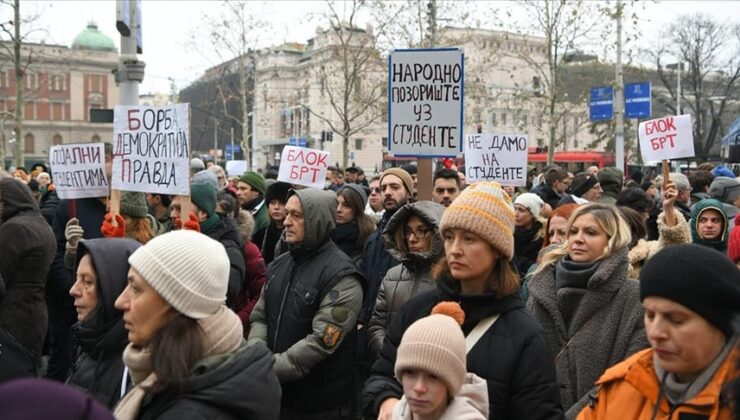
{"x":619,"y":95}
{"x":678,"y":87}
{"x":130,"y":71}
{"x":19,"y":76}
{"x":215,"y":139}
{"x":424,"y":166}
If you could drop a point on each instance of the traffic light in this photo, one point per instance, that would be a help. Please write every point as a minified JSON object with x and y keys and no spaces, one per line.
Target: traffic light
{"x":329,"y":136}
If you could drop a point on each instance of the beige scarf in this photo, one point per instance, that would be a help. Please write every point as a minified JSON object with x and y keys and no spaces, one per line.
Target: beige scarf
{"x":222,"y":333}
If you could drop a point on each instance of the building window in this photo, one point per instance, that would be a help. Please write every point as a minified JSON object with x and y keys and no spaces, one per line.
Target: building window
{"x":95,"y":83}
{"x":358,"y":144}
{"x":384,"y":140}
{"x":3,"y":79}
{"x":57,"y":82}
{"x":29,"y":111}
{"x":57,"y":111}
{"x":539,"y":120}
{"x":503,"y":118}
{"x":56,"y":140}
{"x":30,"y":81}
{"x":28,"y":143}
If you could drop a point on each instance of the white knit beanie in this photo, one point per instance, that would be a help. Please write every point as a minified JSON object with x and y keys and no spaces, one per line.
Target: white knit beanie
{"x":531,"y":202}
{"x":434,"y":344}
{"x":188,"y":269}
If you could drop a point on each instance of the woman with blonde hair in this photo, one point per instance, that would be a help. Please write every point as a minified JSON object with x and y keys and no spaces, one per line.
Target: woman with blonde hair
{"x":589,"y":309}
{"x":504,"y":343}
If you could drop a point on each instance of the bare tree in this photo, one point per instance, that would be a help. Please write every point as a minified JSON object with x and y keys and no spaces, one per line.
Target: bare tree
{"x":710,"y":54}
{"x":233,"y":33}
{"x":564,"y":24}
{"x":352,"y":76}
{"x":11,"y":48}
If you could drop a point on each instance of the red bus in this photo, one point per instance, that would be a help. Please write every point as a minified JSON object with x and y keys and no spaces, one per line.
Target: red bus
{"x":571,"y":160}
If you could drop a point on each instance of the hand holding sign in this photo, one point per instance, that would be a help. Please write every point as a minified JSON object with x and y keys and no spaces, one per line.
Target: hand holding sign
{"x":302,"y":166}
{"x":666,"y":138}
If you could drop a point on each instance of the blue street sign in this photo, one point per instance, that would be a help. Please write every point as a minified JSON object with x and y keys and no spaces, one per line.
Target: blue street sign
{"x":292,"y":141}
{"x":302,"y":142}
{"x":601,"y":103}
{"x":637,"y":103}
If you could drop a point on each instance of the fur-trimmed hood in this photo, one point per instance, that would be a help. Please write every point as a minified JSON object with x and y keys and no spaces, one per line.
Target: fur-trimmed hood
{"x":428,"y":211}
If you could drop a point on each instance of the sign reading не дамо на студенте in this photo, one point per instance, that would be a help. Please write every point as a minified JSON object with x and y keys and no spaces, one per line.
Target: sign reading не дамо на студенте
{"x":425,"y":102}
{"x":497,"y":157}
{"x":151,"y":152}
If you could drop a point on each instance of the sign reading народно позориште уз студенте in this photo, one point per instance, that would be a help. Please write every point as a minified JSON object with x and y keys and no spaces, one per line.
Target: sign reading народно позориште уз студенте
{"x":425,"y":102}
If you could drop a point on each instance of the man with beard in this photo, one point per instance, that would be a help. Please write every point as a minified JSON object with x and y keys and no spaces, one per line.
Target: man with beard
{"x":446,"y":186}
{"x":396,"y":189}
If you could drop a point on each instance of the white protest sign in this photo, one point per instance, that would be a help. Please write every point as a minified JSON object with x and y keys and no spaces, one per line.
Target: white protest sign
{"x":303,"y":166}
{"x":152,"y":148}
{"x":78,"y":170}
{"x":666,"y":138}
{"x":236,"y":167}
{"x":425,"y":107}
{"x":497,"y":157}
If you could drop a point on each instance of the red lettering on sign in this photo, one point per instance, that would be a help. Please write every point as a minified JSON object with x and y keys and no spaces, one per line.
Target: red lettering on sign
{"x":659,"y":143}
{"x":661,"y":126}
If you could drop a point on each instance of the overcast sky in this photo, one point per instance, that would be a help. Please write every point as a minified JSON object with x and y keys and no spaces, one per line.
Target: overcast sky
{"x":169,"y":26}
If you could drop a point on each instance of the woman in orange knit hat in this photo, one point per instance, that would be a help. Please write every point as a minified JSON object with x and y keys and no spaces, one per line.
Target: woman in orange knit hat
{"x":503,"y":342}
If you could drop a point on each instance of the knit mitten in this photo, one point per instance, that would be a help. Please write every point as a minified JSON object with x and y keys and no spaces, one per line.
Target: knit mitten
{"x":110,"y":231}
{"x":191,"y":224}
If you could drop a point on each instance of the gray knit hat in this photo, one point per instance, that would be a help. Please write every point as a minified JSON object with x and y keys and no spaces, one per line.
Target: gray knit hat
{"x":133,"y":204}
{"x":188,"y":269}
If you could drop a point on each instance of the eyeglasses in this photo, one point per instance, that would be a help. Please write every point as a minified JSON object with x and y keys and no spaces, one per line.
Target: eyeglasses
{"x":419,"y":233}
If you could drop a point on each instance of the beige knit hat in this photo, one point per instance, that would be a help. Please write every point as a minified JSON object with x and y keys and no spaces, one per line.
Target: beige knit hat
{"x":188,"y":269}
{"x":407,"y":180}
{"x":435,"y":344}
{"x":485,"y":209}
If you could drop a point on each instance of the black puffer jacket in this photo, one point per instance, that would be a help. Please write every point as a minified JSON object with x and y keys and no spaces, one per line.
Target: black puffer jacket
{"x":239,"y":385}
{"x":376,"y":261}
{"x":409,"y":278}
{"x":225,"y":232}
{"x":101,"y":336}
{"x":26,"y":250}
{"x":511,"y":356}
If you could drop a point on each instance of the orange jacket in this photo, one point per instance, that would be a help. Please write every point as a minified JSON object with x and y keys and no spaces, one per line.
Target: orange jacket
{"x":629,"y":390}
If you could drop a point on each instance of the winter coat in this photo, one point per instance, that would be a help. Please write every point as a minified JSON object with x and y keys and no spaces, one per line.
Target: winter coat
{"x":345,"y":236}
{"x":267,"y":239}
{"x":26,"y":250}
{"x":527,"y":245}
{"x":606,"y":325}
{"x":102,"y":337}
{"x":409,"y":278}
{"x":250,"y":292}
{"x":90,"y":212}
{"x":225,"y":232}
{"x":631,"y":389}
{"x":471,"y":403}
{"x":307,"y":313}
{"x":48,"y":205}
{"x":669,"y":235}
{"x":652,"y":222}
{"x":719,"y":244}
{"x":261,"y":218}
{"x":239,"y":385}
{"x":376,"y":261}
{"x":511,"y":356}
{"x":547,"y":194}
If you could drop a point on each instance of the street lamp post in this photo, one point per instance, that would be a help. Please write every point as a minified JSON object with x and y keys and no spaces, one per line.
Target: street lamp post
{"x":678,"y":67}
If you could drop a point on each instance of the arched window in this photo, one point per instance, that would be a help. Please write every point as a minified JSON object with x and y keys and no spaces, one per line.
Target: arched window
{"x":95,"y":138}
{"x":56,"y":140}
{"x":28,"y":143}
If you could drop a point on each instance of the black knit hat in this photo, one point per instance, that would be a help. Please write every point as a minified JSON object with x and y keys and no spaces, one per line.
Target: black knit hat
{"x":699,"y":278}
{"x":277,"y":191}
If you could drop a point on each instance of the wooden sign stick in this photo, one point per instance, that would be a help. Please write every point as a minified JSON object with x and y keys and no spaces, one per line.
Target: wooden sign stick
{"x":666,"y":173}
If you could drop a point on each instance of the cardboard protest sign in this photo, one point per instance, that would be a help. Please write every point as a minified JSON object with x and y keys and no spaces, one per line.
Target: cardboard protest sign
{"x":152,"y":148}
{"x":303,"y":166}
{"x":236,"y":167}
{"x":666,"y":138}
{"x":497,"y":157}
{"x":78,"y":170}
{"x":425,"y":107}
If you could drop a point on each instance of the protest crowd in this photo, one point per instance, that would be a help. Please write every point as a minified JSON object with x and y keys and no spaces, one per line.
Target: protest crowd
{"x":592,"y":295}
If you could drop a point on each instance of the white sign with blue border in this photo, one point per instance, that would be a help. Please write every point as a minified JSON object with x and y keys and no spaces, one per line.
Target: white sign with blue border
{"x":425,"y":106}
